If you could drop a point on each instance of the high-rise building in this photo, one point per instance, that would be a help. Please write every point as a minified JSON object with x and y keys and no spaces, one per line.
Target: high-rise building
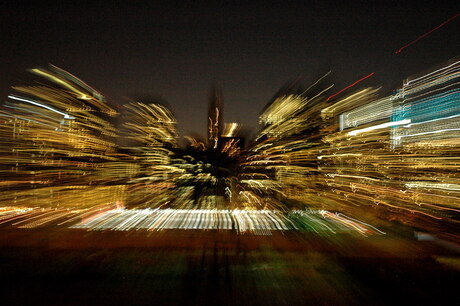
{"x":215,"y":117}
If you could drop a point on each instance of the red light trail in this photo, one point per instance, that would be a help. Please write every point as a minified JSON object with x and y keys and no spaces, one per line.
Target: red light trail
{"x":351,"y":85}
{"x":427,"y":33}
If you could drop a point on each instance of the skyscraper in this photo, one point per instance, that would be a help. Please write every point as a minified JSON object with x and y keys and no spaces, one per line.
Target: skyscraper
{"x":215,"y":117}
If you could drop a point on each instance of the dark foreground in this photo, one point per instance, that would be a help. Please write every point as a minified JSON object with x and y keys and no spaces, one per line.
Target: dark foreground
{"x":76,"y":267}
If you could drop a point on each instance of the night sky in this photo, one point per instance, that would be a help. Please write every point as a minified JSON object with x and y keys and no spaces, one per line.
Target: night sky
{"x":176,"y":51}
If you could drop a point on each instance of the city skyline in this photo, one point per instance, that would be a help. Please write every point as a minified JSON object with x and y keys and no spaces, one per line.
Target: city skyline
{"x":217,"y":153}
{"x":176,"y":51}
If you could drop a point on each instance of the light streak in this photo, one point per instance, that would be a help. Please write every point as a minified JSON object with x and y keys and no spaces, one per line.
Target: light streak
{"x":59,"y":81}
{"x":66,"y":116}
{"x":340,"y":155}
{"x":377,"y":110}
{"x":366,"y":224}
{"x":428,"y":185}
{"x":259,"y":222}
{"x":427,"y":133}
{"x":351,"y":85}
{"x":379,"y":126}
{"x":437,"y":71}
{"x":427,"y":33}
{"x":316,"y":83}
{"x":432,"y":120}
{"x":76,"y":172}
{"x":352,"y":176}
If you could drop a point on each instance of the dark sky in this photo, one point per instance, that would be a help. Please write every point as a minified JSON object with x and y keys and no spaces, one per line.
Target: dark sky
{"x":177,"y":50}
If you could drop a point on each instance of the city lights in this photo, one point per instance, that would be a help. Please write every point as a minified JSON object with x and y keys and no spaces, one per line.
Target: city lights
{"x":61,"y":153}
{"x":201,"y":153}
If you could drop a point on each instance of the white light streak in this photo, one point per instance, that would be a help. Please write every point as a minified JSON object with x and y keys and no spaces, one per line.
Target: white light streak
{"x":379,"y":126}
{"x":66,"y":116}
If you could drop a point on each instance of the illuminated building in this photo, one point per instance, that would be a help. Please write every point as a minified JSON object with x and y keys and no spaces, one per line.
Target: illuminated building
{"x":431,"y":102}
{"x":57,"y":143}
{"x":231,"y":142}
{"x":150,"y":136}
{"x":215,"y":117}
{"x":351,"y":151}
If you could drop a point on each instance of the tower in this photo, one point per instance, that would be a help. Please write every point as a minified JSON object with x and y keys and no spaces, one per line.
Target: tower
{"x":215,"y":117}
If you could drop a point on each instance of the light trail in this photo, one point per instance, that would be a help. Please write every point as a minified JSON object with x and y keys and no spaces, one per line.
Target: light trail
{"x":379,"y":126}
{"x":427,"y":33}
{"x":351,"y":85}
{"x":258,"y":222}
